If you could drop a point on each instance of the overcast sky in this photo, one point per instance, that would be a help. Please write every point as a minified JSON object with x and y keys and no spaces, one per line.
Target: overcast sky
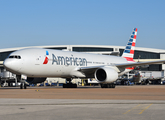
{"x":81,"y":22}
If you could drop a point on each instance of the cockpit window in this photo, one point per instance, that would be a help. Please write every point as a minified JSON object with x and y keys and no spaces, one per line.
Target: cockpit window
{"x":15,"y":56}
{"x":11,"y":56}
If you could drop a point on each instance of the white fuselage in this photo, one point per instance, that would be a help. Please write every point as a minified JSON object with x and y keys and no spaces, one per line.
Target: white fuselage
{"x":37,"y":62}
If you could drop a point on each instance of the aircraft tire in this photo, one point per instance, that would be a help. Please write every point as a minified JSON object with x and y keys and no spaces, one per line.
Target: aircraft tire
{"x":104,"y":86}
{"x":113,"y":85}
{"x":64,"y":85}
{"x":109,"y":85}
{"x":69,"y":85}
{"x":25,"y":86}
{"x":21,"y":86}
{"x":74,"y":85}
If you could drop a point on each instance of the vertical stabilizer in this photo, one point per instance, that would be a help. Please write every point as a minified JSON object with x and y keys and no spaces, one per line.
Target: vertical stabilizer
{"x":130,"y":47}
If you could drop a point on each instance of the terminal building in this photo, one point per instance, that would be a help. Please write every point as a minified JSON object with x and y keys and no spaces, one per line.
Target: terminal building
{"x":140,"y":54}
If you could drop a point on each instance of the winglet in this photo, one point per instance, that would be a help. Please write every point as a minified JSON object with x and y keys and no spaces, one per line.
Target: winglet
{"x":130,"y":47}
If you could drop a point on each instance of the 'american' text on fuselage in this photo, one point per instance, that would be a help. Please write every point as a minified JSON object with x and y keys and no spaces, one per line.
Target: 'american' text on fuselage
{"x":61,"y":60}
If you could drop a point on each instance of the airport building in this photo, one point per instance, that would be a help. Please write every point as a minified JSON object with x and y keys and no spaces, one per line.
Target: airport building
{"x":141,"y":55}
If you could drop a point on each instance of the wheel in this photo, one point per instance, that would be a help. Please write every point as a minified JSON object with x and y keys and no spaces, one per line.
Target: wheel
{"x":24,"y":86}
{"x":74,"y":85}
{"x":21,"y":86}
{"x":102,"y":85}
{"x":64,"y":85}
{"x":69,"y":85}
{"x":109,"y":85}
{"x":113,"y":85}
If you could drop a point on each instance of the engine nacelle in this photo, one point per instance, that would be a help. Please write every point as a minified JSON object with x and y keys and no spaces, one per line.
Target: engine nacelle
{"x":106,"y":75}
{"x":35,"y":80}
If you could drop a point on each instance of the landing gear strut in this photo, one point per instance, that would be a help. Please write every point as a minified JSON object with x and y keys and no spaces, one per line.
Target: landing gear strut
{"x":23,"y":85}
{"x":70,"y":84}
{"x":112,"y":85}
{"x":22,"y":79}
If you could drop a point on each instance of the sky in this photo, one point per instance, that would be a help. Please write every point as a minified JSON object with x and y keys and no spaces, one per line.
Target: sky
{"x":81,"y":22}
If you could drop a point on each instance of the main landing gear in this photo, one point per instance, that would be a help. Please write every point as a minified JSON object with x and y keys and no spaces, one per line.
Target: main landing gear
{"x":112,"y":85}
{"x":70,"y":84}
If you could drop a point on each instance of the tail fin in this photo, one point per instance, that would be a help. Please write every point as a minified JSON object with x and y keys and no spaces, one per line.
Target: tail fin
{"x":130,"y":47}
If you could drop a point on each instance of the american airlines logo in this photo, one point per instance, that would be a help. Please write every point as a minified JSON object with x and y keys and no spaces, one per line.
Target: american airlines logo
{"x":46,"y":58}
{"x":61,"y":60}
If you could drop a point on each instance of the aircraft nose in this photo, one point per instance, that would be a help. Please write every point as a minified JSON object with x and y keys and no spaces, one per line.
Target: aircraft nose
{"x":7,"y":64}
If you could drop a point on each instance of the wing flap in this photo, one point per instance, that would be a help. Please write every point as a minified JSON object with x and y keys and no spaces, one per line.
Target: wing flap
{"x":125,"y":65}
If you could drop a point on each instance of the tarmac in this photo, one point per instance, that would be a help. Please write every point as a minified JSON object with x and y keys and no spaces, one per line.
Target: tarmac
{"x":83,"y":103}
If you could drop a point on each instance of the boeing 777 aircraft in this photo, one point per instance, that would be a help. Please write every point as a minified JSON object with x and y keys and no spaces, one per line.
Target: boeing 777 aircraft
{"x":34,"y":65}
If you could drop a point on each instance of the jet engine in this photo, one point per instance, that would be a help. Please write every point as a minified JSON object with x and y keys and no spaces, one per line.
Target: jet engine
{"x":35,"y":80}
{"x":106,"y":75}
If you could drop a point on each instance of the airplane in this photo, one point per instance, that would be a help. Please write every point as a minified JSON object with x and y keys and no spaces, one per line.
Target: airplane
{"x":34,"y":65}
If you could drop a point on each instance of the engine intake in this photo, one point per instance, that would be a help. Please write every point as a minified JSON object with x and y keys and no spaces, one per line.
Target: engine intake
{"x":101,"y":75}
{"x":106,"y":75}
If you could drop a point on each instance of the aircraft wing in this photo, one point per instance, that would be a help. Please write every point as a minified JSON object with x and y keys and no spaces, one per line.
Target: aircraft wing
{"x":125,"y":65}
{"x":89,"y":71}
{"x":89,"y":68}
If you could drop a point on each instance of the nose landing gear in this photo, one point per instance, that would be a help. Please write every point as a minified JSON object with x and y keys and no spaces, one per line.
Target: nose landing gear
{"x":23,"y":83}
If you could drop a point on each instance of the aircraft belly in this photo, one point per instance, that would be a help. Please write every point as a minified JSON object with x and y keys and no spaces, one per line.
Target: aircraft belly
{"x":49,"y":71}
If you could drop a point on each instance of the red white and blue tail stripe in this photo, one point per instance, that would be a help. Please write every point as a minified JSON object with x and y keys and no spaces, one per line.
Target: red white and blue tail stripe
{"x":130,"y":47}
